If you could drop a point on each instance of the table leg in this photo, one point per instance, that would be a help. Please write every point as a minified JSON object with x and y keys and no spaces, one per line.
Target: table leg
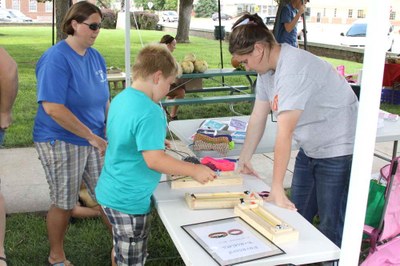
{"x":394,"y":154}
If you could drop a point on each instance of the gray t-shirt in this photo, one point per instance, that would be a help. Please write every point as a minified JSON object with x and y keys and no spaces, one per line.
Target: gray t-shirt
{"x":302,"y":81}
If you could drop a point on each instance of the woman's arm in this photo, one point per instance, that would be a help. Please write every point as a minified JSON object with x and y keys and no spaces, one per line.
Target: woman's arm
{"x":287,"y":122}
{"x":255,"y":131}
{"x":8,"y":87}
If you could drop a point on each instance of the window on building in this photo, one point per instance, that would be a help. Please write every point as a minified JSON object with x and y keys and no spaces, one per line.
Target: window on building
{"x":15,"y":4}
{"x":350,"y":14}
{"x":360,"y":13}
{"x":32,"y":5}
{"x":324,"y":14}
{"x":263,"y":9}
{"x":48,"y":6}
{"x":392,"y":15}
{"x":334,"y":12}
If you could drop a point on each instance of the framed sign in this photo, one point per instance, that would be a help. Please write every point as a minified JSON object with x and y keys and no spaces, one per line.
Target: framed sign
{"x":231,"y":241}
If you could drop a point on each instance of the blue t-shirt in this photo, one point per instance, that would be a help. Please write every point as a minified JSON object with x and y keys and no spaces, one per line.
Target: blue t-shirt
{"x":287,"y":15}
{"x":135,"y":124}
{"x":79,"y":83}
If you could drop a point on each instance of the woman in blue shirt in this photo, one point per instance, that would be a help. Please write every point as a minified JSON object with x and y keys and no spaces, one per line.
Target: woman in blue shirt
{"x":69,"y":129}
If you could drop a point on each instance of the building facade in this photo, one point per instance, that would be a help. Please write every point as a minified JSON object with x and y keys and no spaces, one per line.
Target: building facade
{"x":38,"y":11}
{"x":41,"y":12}
{"x":319,"y":11}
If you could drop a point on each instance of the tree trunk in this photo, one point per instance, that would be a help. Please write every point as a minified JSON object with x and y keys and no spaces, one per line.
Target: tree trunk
{"x":62,"y":7}
{"x":185,"y":15}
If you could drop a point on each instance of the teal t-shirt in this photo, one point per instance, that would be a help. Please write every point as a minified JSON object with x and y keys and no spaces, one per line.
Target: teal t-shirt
{"x":134,"y":124}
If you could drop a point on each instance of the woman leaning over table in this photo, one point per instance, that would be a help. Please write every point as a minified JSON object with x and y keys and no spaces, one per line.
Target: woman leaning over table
{"x":72,"y":94}
{"x":312,"y":104}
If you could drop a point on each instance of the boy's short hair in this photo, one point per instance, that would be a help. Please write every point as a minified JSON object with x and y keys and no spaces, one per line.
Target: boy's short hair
{"x":153,"y":58}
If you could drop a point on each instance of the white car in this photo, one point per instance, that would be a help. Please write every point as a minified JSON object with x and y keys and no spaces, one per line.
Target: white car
{"x":13,"y":16}
{"x":356,"y":35}
{"x":5,"y":15}
{"x":170,"y":16}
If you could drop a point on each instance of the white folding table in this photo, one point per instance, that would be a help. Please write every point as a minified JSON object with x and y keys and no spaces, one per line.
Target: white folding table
{"x":184,"y":129}
{"x":312,"y":246}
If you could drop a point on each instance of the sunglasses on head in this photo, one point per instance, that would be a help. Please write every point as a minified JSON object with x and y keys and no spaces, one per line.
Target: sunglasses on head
{"x":93,"y":26}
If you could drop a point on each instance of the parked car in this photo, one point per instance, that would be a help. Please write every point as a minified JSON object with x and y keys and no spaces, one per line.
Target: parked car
{"x":223,"y":16}
{"x":5,"y":15}
{"x":14,"y":16}
{"x":356,"y":35}
{"x":269,"y":20}
{"x":170,"y":16}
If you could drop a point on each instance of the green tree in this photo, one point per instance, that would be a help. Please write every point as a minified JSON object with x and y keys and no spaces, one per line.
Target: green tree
{"x":171,"y":5}
{"x":61,"y":8}
{"x":185,"y":12}
{"x":205,"y":8}
{"x":104,"y":3}
{"x":157,"y":4}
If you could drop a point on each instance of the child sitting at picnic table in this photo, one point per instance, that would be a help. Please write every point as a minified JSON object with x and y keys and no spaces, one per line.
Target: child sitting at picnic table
{"x":135,"y":155}
{"x":177,"y":90}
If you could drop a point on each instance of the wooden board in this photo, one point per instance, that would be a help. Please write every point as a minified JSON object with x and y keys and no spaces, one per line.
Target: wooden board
{"x":229,"y":178}
{"x":266,"y":223}
{"x":223,"y":200}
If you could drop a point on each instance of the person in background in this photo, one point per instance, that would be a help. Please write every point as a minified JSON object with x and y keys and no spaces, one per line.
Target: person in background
{"x":177,"y":91}
{"x":3,"y":258}
{"x":135,"y":156}
{"x":313,"y":105}
{"x":8,"y":93}
{"x":286,"y":30}
{"x":69,"y":127}
{"x":8,"y":90}
{"x":86,"y":206}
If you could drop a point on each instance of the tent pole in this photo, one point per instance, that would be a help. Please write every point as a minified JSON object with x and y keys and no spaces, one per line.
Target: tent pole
{"x":127,"y":42}
{"x":371,"y":83}
{"x":53,"y":24}
{"x":220,"y":38}
{"x":304,"y":31}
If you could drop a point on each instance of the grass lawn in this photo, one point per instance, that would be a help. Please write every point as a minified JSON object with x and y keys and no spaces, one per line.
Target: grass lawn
{"x":87,"y":241}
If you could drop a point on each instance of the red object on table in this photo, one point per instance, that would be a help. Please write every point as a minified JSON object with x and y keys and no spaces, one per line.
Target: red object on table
{"x":391,"y":74}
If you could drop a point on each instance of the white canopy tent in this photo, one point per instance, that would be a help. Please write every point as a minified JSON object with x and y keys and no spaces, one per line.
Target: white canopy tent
{"x":127,"y":42}
{"x":374,"y":57}
{"x":373,"y":66}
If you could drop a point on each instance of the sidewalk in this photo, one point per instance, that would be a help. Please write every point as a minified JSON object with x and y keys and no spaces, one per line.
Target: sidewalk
{"x":25,"y":188}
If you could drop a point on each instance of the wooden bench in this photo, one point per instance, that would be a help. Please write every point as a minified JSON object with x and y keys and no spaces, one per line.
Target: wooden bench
{"x":210,"y":100}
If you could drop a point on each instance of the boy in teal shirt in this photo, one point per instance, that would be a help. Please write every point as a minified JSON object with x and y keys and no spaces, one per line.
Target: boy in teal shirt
{"x":135,"y":156}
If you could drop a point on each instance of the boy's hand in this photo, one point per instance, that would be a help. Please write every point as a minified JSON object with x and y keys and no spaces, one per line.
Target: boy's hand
{"x":203,"y":174}
{"x":167,"y":144}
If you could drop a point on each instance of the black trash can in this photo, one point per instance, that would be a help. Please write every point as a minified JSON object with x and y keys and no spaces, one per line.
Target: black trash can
{"x":219,"y":32}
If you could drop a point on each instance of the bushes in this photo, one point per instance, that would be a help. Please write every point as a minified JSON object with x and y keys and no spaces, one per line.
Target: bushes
{"x":145,"y":20}
{"x":109,"y":19}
